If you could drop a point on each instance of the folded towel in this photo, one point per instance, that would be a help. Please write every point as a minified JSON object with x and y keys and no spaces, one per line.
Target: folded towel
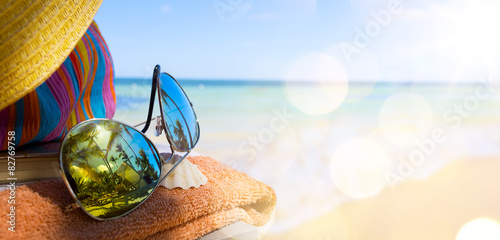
{"x":228,"y":196}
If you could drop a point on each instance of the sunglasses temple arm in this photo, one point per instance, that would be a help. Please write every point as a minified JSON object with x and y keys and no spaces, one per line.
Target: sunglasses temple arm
{"x":152,"y":98}
{"x":142,"y":123}
{"x":172,"y":169}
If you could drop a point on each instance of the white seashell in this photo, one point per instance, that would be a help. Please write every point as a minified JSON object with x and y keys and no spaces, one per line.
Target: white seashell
{"x":185,"y":175}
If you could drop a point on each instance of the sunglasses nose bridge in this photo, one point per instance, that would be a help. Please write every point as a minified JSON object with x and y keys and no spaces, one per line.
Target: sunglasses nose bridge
{"x":158,"y":126}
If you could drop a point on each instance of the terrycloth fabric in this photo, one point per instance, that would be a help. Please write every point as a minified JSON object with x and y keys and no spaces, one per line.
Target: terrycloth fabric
{"x":81,"y":88}
{"x":227,"y":197}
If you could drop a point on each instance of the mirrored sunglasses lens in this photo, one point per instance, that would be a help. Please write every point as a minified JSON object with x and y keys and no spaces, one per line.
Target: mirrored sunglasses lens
{"x":178,"y":115}
{"x":110,"y":167}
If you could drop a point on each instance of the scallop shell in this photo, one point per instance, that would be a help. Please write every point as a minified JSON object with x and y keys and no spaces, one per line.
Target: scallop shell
{"x":185,"y":175}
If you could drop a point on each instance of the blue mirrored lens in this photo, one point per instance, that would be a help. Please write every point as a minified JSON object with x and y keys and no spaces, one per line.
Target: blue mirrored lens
{"x":178,"y":115}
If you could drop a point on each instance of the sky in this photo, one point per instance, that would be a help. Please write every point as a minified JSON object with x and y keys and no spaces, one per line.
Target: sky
{"x":354,"y":40}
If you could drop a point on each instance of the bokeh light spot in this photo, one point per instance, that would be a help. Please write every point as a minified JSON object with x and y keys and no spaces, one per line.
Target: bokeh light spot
{"x":316,"y":84}
{"x":358,"y":166}
{"x":482,"y":228}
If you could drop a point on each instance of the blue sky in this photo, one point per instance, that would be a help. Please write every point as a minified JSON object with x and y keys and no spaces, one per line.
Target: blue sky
{"x":396,"y":40}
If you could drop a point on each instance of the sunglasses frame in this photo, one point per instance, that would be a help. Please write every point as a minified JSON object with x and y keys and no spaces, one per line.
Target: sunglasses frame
{"x":156,"y":83}
{"x":156,"y":87}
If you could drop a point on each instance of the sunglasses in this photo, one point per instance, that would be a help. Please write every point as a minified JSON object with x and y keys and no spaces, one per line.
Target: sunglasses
{"x":111,"y":168}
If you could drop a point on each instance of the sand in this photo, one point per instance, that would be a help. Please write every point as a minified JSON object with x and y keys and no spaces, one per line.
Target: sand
{"x":434,"y":208}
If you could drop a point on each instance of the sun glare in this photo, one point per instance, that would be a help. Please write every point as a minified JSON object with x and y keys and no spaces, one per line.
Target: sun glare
{"x":468,"y":33}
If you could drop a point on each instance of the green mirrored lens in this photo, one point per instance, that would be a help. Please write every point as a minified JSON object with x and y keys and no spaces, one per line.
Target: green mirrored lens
{"x":178,"y":115}
{"x":111,"y":168}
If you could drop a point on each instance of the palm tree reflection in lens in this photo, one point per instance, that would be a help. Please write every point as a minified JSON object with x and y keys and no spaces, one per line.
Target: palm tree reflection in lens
{"x":178,"y":136}
{"x":181,"y":124}
{"x":110,"y":167}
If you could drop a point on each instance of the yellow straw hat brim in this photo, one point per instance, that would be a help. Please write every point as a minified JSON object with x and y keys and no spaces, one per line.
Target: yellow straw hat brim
{"x":36,"y":36}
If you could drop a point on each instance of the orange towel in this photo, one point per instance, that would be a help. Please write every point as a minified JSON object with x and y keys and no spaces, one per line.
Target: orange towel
{"x":228,"y":196}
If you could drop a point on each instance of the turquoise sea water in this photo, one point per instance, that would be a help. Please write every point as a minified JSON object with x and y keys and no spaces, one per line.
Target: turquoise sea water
{"x":272,"y":131}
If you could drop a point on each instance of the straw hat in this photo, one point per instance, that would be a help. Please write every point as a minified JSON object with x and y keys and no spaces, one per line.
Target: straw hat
{"x":36,"y":36}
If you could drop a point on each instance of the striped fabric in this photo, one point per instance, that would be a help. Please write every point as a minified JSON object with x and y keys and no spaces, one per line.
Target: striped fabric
{"x":80,"y":89}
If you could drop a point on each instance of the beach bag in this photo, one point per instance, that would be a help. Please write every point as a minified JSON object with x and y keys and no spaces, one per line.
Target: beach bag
{"x":81,"y":88}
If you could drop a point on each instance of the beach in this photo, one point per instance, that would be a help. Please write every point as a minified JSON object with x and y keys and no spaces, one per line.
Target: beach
{"x":433,"y":208}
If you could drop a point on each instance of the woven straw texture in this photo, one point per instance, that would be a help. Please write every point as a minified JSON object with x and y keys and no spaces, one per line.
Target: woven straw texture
{"x":36,"y":36}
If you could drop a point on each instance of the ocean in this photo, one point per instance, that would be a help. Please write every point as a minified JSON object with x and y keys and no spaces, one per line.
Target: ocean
{"x":319,"y":145}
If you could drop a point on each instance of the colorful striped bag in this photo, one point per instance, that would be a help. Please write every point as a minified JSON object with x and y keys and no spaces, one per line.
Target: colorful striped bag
{"x":81,"y":88}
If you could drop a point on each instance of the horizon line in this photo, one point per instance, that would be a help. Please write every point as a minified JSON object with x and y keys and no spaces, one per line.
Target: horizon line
{"x":269,"y":81}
